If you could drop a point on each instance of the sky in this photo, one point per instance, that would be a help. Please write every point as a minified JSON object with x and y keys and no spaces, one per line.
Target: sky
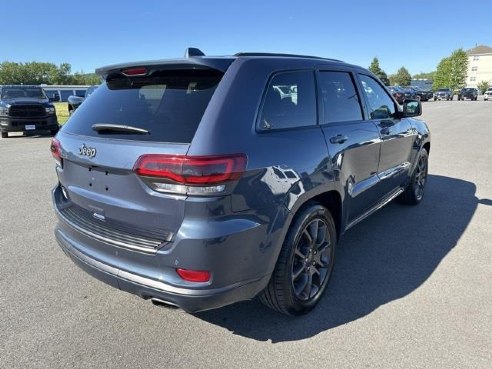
{"x":89,"y":34}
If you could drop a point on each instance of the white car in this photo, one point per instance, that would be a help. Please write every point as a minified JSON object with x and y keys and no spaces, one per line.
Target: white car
{"x":488,"y":94}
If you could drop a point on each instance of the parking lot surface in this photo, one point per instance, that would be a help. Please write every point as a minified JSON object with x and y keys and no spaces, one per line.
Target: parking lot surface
{"x":411,"y":286}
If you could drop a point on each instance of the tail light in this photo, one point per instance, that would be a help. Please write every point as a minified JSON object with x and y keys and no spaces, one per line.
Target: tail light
{"x":194,"y":275}
{"x":190,"y":174}
{"x":137,"y":71}
{"x":55,"y":148}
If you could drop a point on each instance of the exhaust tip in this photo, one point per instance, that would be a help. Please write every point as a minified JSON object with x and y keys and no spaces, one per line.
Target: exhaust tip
{"x":163,"y":303}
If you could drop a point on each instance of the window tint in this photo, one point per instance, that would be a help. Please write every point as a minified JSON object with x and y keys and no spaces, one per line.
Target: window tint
{"x":340,"y":100}
{"x":169,"y":104}
{"x":290,"y":101}
{"x":80,"y":93}
{"x":381,"y":105}
{"x":16,"y":92}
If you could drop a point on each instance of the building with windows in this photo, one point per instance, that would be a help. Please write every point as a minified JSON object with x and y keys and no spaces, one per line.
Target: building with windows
{"x":479,"y":65}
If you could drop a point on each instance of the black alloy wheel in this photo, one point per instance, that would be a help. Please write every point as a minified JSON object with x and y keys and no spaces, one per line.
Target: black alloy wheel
{"x":420,"y":177}
{"x":305,"y":263}
{"x":415,"y":190}
{"x":312,"y":260}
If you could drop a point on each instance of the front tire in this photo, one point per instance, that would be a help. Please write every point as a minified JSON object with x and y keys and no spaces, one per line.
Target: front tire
{"x":414,"y":192}
{"x":5,"y":135}
{"x":305,"y":263}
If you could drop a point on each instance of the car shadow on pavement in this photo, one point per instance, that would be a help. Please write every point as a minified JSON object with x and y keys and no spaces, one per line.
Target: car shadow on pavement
{"x":384,"y":258}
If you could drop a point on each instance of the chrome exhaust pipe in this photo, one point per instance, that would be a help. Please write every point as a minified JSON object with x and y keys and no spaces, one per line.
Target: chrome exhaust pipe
{"x":159,"y":302}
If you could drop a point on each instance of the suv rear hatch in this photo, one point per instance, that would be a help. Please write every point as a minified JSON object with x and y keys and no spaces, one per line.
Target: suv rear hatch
{"x":139,"y":112}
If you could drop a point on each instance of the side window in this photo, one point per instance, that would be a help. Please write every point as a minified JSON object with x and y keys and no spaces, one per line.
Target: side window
{"x":340,"y":100}
{"x":381,"y":105}
{"x":290,"y":101}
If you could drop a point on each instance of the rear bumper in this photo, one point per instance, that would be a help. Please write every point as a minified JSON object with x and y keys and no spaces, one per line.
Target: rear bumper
{"x":187,"y":299}
{"x":235,"y":257}
{"x":12,"y":124}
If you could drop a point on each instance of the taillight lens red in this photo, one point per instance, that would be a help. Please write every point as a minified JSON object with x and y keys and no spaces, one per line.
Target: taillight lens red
{"x":194,"y":275}
{"x":56,"y":149}
{"x":192,"y":170}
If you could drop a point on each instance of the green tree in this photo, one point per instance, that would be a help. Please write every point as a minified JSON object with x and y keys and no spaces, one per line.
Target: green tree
{"x":424,"y":75}
{"x":36,"y":73}
{"x":483,"y":86}
{"x":401,"y":78}
{"x":10,"y":73}
{"x":452,"y":71}
{"x":376,"y":69}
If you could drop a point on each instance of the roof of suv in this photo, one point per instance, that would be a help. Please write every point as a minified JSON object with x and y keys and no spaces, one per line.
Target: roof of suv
{"x":195,"y":59}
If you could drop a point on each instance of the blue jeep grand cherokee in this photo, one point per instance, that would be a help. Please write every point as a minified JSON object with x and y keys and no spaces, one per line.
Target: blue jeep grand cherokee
{"x":202,"y":181}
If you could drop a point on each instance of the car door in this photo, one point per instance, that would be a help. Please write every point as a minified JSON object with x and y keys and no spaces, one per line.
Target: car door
{"x":353,"y":142}
{"x":397,"y":136}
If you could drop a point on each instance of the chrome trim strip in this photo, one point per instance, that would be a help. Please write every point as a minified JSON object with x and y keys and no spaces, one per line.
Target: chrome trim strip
{"x":140,"y":244}
{"x":395,"y":170}
{"x":374,"y":209}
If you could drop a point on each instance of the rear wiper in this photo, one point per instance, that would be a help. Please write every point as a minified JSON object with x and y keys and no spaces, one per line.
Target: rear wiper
{"x":101,"y":127}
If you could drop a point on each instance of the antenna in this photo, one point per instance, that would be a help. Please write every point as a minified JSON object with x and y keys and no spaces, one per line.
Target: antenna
{"x":193,"y":51}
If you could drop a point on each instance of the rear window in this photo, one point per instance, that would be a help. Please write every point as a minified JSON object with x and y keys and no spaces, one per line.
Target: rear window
{"x":168,"y":104}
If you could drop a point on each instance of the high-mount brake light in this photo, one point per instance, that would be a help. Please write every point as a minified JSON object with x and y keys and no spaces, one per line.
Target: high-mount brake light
{"x":198,"y":175}
{"x":55,"y":149}
{"x":138,"y":71}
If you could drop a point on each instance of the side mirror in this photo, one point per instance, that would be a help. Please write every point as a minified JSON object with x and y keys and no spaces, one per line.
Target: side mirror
{"x":412,"y":108}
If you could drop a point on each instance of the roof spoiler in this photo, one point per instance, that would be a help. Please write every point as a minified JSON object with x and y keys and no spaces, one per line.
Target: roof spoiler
{"x":193,"y":51}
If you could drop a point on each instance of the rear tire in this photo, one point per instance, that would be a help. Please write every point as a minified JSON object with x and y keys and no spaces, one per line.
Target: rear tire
{"x":5,"y":135}
{"x":305,"y":263}
{"x":414,"y":192}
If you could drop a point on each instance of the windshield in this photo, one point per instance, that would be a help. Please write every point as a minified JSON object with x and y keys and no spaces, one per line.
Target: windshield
{"x":19,"y":92}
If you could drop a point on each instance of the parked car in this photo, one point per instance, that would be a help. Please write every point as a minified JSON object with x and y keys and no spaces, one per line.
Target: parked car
{"x":410,"y":93}
{"x":423,"y":95}
{"x":397,"y":93}
{"x":74,"y":101}
{"x":443,"y":94}
{"x":488,"y":94}
{"x":468,"y":93}
{"x":166,"y":191}
{"x":27,"y":109}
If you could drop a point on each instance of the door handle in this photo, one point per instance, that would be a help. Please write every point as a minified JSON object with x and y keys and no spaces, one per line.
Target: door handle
{"x":338,"y":139}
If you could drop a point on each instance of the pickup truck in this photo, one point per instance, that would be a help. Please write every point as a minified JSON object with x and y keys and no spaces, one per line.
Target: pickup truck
{"x":27,"y":109}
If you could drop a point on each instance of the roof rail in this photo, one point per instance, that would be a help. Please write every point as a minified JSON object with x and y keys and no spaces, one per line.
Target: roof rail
{"x":193,"y":51}
{"x":283,"y":55}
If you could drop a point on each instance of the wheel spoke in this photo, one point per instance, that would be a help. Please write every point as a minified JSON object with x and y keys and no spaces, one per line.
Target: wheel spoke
{"x":298,"y":272}
{"x":299,"y":254}
{"x":314,"y":232}
{"x":308,"y":236}
{"x":321,"y":235}
{"x":309,"y":286}
{"x":323,"y":246}
{"x":301,"y":285}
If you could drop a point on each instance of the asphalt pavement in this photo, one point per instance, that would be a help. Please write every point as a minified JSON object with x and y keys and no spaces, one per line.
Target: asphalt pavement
{"x":412,"y":286}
